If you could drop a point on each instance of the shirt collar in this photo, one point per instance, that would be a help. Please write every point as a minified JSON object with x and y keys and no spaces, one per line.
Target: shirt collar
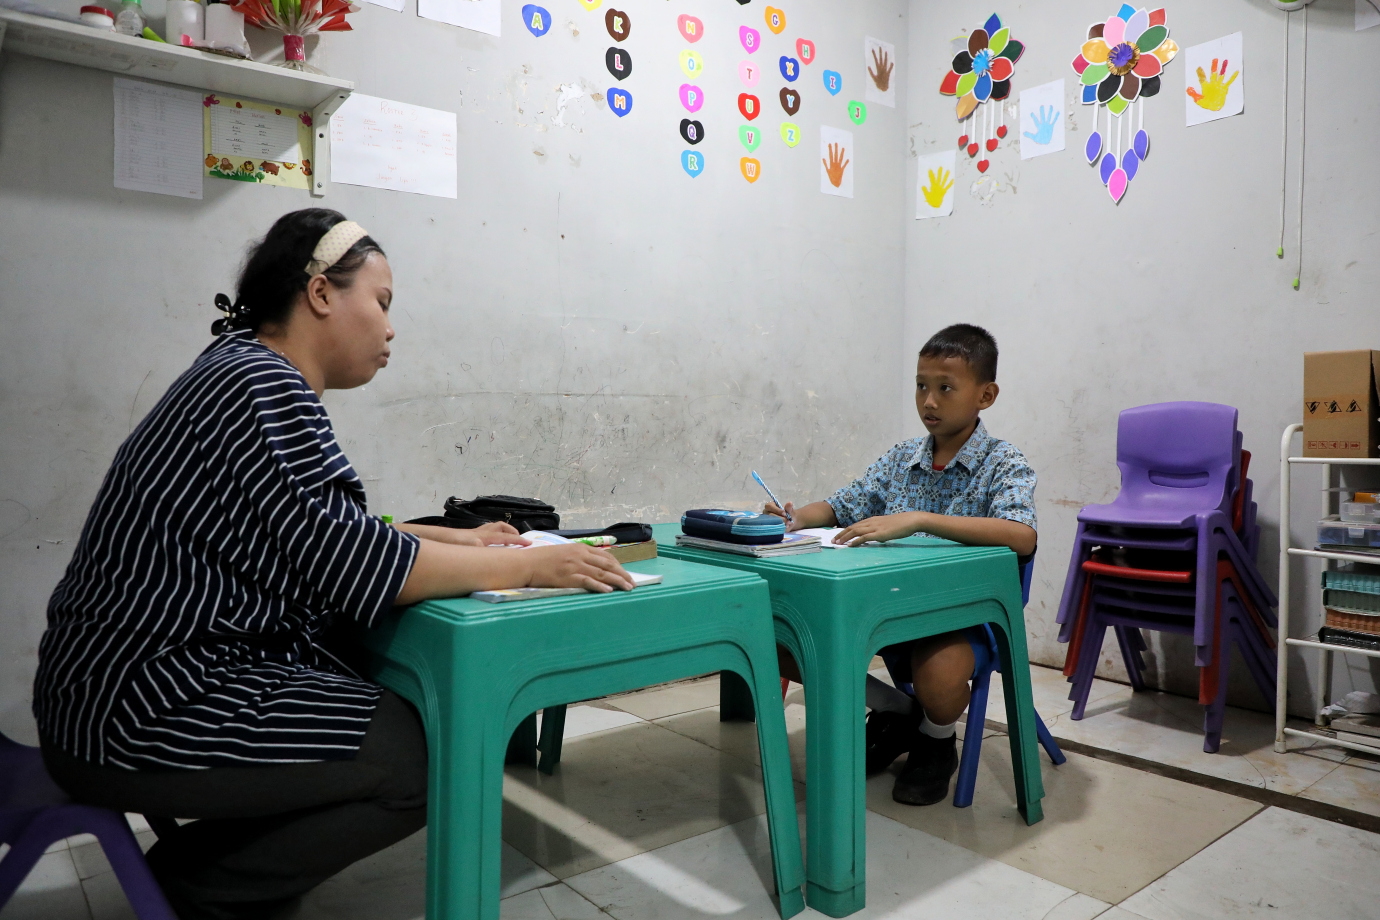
{"x":969,"y":456}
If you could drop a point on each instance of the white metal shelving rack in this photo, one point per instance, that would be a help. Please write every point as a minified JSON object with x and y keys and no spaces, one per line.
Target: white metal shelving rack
{"x":73,"y":43}
{"x":1286,"y":465}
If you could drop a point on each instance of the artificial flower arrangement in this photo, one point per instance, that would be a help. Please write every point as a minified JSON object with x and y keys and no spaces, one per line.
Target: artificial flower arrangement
{"x":297,"y":19}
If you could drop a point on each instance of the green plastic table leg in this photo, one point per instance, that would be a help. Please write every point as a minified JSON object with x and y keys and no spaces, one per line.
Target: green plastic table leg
{"x":782,"y":825}
{"x":552,"y":738}
{"x":1020,"y":709}
{"x":735,"y":699}
{"x":522,"y":746}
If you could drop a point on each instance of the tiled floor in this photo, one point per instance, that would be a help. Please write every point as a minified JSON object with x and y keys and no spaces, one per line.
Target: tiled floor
{"x":656,"y":814}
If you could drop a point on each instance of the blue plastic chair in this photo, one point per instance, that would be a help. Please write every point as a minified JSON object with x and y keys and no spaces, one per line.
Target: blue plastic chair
{"x":986,"y":661}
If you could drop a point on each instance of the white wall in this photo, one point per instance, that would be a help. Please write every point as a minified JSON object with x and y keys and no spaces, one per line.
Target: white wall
{"x":587,"y":322}
{"x":1174,"y":294}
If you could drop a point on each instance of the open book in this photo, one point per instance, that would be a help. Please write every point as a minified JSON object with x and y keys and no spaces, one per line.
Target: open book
{"x":542,"y":538}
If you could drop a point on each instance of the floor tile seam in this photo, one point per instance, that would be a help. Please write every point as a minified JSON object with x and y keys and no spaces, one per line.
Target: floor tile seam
{"x":1235,"y":827}
{"x":1264,"y":797}
{"x":559,"y":883}
{"x":1337,"y":766}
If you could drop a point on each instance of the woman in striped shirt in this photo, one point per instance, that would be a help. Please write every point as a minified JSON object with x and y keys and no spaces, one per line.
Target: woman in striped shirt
{"x":184,"y":671}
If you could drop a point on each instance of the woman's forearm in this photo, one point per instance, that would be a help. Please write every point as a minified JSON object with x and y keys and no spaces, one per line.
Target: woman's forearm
{"x":447,"y":570}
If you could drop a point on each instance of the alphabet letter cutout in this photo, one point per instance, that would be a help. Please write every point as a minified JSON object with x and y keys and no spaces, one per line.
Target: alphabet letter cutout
{"x":751,"y":168}
{"x":618,"y":24}
{"x":790,"y":100}
{"x":749,"y":105}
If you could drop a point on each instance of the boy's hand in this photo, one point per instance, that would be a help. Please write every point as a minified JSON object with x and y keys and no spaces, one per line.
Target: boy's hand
{"x":792,"y":519}
{"x":881,"y":528}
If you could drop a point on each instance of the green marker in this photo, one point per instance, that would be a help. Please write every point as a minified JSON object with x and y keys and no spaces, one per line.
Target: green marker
{"x":386,"y":518}
{"x":595,"y":541}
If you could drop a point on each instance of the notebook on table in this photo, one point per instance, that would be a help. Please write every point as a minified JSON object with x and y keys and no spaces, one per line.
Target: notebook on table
{"x":792,"y":544}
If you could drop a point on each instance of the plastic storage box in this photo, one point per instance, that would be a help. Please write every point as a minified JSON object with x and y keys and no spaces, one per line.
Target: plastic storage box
{"x":1359,"y":512}
{"x":1332,"y":532}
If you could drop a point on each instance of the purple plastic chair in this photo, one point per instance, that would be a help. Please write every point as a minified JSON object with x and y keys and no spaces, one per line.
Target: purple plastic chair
{"x":35,"y":813}
{"x":1133,"y":606}
{"x":1180,"y":465}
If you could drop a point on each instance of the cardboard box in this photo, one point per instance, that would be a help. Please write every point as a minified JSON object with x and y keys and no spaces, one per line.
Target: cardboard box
{"x":1340,"y":413}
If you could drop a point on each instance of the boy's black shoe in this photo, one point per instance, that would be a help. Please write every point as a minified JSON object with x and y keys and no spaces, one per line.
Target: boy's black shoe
{"x":925,"y":779}
{"x":889,"y":735}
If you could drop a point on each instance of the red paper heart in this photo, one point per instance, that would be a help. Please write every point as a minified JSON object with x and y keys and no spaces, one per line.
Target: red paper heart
{"x":963,"y":141}
{"x":972,"y":150}
{"x":1001,"y":130}
{"x":982,"y":165}
{"x":991,"y":143}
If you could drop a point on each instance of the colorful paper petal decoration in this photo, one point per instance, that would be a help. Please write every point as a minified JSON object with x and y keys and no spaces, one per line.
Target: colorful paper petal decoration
{"x":1089,"y":95}
{"x":1118,"y":104}
{"x":1114,"y":30}
{"x":1126,"y":12}
{"x":1138,"y":23}
{"x":1157,"y":17}
{"x":1148,"y":66}
{"x":1080,"y":64}
{"x":1108,"y":167}
{"x":1142,"y":142}
{"x":1095,"y":30}
{"x":1095,"y":51}
{"x":1107,"y":89}
{"x":1130,"y":87}
{"x":1095,"y":73}
{"x":1149,"y":87}
{"x":984,"y":63}
{"x":1116,"y":185}
{"x":1129,"y":164}
{"x":1094,"y":148}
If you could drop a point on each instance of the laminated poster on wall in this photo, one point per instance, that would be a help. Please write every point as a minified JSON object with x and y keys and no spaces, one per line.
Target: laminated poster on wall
{"x":477,"y":15}
{"x":1215,"y":74}
{"x":836,"y":162}
{"x":934,"y":196}
{"x":1042,"y":119}
{"x":880,"y":60}
{"x":380,"y":143}
{"x":256,"y":142}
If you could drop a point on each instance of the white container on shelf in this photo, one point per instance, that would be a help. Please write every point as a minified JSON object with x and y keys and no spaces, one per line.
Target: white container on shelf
{"x":98,"y":17}
{"x":1359,"y":512}
{"x":185,"y":17}
{"x":225,"y":26}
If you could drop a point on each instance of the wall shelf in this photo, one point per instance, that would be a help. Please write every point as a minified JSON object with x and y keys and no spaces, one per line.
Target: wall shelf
{"x":72,"y":43}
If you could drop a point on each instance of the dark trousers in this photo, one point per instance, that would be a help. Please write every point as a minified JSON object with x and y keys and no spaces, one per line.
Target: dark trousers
{"x":265,"y":835}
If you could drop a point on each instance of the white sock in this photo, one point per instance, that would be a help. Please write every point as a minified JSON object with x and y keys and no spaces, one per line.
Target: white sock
{"x":882,"y":697}
{"x":937,"y":731}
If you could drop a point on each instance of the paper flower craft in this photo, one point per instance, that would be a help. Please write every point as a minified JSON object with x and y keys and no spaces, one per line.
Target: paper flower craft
{"x":983,"y":65}
{"x":296,"y":19}
{"x":1120,"y":64}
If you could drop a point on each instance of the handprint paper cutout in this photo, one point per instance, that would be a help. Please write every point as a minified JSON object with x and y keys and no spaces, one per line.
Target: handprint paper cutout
{"x":935,"y":187}
{"x":1042,"y":119}
{"x":879,"y":58}
{"x":1214,"y":72}
{"x":836,"y":162}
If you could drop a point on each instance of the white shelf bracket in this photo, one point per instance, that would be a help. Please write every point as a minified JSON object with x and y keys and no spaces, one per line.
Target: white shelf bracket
{"x":321,"y":142}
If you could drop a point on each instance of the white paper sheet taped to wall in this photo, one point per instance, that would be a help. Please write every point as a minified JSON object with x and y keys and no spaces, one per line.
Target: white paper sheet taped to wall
{"x":380,"y":143}
{"x":157,"y":139}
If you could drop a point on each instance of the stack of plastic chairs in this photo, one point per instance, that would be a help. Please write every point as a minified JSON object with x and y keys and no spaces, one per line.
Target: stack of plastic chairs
{"x":1174,"y":552}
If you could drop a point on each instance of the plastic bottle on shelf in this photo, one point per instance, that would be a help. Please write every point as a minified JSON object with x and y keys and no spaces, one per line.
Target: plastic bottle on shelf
{"x":131,"y":19}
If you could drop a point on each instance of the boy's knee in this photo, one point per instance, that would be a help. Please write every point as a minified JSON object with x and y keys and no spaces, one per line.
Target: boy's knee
{"x":942,"y":662}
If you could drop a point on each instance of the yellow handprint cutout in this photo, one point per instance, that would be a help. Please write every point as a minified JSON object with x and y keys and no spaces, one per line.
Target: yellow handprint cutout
{"x":1214,"y":91}
{"x":939,"y":187}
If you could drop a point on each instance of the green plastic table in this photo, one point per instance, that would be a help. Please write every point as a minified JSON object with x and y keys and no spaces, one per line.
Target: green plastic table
{"x":834,"y":610}
{"x":475,"y":671}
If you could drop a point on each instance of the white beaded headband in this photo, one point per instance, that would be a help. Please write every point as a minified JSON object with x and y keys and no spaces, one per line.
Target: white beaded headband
{"x":335,"y":244}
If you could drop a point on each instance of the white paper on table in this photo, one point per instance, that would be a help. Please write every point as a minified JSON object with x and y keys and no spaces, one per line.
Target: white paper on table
{"x":158,"y":139}
{"x":844,"y":140}
{"x":255,"y":135}
{"x":936,"y":180}
{"x":1042,"y":119}
{"x":875,"y":52}
{"x":1367,"y":14}
{"x":395,"y":5}
{"x":1227,"y":51}
{"x":478,"y":15}
{"x":380,"y":143}
{"x":826,"y":537}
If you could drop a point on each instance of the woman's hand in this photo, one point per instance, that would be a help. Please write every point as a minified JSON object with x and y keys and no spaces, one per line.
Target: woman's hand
{"x":486,"y":535}
{"x":498,"y":533}
{"x":576,"y":565}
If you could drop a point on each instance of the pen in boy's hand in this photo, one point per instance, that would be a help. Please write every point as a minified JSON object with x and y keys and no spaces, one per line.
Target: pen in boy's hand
{"x":772,"y":497}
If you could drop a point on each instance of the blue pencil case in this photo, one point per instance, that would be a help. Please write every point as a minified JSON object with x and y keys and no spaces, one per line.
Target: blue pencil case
{"x":733,"y":526}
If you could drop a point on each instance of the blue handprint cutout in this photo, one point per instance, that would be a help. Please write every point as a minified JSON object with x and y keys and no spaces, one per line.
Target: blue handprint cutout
{"x":1044,"y":120}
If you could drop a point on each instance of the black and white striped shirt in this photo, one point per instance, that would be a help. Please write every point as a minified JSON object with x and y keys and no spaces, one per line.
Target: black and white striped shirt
{"x":229,"y":531}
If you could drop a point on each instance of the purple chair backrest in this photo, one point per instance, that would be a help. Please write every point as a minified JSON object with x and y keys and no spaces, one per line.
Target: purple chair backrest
{"x":1179,"y":454}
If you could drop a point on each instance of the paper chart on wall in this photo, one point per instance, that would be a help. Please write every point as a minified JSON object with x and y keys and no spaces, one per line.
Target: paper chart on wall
{"x":251,"y":141}
{"x":477,"y":15}
{"x":1215,"y":74}
{"x":380,"y":143}
{"x":1367,"y":14}
{"x":1042,"y":119}
{"x":836,"y":155}
{"x":879,"y":57}
{"x":934,"y":195}
{"x":157,"y":139}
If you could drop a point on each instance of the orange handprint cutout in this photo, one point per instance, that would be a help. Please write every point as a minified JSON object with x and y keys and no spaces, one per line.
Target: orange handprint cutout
{"x":881,"y":75}
{"x":1214,"y":91}
{"x":836,"y":164}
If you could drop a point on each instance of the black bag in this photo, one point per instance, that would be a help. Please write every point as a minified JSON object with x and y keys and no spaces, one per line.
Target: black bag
{"x":523,"y":513}
{"x":624,"y":532}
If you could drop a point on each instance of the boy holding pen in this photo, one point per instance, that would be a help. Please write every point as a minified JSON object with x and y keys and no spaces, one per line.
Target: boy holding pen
{"x":958,"y":483}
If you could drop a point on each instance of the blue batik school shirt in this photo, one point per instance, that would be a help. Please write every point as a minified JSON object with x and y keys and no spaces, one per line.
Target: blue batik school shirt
{"x":986,"y":478}
{"x":228,"y":534}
